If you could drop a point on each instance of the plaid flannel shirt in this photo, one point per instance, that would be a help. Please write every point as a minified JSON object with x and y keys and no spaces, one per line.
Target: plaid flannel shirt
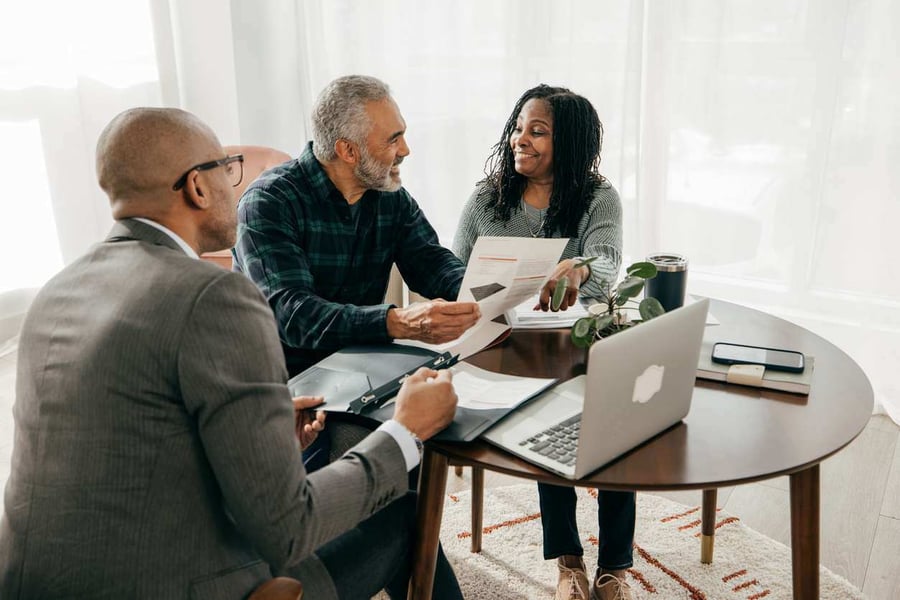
{"x":325,"y":273}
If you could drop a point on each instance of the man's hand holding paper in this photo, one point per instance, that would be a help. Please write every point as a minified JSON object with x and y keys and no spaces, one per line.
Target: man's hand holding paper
{"x":433,"y":322}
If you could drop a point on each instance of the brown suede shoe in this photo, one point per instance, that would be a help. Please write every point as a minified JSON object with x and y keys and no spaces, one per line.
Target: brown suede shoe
{"x":610,"y":587}
{"x":573,"y":582}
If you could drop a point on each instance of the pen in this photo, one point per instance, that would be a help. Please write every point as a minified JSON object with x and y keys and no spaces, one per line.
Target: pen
{"x":376,"y":398}
{"x":311,"y":456}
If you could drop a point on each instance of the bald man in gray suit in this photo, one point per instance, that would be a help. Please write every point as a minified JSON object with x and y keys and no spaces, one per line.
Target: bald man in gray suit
{"x":156,"y":445}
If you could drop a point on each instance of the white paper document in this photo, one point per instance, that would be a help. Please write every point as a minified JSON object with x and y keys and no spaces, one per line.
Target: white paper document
{"x":479,"y":389}
{"x":502,"y":273}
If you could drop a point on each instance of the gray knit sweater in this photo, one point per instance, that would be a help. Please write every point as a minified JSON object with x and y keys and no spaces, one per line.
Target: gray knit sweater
{"x":599,"y":232}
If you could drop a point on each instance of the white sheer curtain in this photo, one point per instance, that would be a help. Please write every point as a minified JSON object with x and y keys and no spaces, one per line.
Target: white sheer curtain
{"x":756,"y":138}
{"x":63,"y":74}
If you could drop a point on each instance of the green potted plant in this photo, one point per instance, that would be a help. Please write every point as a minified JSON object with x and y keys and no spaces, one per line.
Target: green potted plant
{"x":607,"y":315}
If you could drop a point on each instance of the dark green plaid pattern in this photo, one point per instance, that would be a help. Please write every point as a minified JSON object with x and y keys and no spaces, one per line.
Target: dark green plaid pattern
{"x":325,"y":274}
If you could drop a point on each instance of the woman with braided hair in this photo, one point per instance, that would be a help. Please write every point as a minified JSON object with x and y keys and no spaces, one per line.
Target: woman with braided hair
{"x":542,"y":180}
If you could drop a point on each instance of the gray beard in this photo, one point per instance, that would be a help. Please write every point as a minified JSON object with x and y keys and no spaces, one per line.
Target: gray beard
{"x":370,"y":175}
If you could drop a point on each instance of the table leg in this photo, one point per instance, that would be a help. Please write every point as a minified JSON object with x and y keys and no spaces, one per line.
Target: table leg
{"x":708,"y":526}
{"x":805,"y":532}
{"x":429,"y":510}
{"x":477,"y":507}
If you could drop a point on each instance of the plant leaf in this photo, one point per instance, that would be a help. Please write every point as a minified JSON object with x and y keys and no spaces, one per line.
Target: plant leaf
{"x":582,"y":327}
{"x":650,"y":308}
{"x":559,"y":293}
{"x":580,"y":342}
{"x":630,"y":286}
{"x":647,"y":270}
{"x":585,"y":262}
{"x":582,"y":333}
{"x":602,"y":309}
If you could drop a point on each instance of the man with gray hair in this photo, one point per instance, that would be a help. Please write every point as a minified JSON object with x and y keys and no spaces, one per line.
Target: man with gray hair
{"x":318,"y":235}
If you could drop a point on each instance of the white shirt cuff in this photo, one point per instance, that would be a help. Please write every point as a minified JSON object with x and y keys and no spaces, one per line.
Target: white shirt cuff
{"x":405,"y":440}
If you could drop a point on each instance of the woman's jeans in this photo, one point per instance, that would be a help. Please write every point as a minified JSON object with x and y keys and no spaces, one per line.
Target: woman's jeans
{"x":615,"y":516}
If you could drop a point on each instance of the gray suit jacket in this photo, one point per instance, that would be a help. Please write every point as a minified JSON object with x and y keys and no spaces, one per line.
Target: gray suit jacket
{"x":155,"y":454}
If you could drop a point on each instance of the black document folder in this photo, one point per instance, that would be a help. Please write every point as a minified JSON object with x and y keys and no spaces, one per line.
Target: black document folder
{"x":467,"y":424}
{"x":350,"y":375}
{"x":356,"y":372}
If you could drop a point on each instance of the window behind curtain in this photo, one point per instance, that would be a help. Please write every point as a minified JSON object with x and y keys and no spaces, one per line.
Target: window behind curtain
{"x":66,"y":68}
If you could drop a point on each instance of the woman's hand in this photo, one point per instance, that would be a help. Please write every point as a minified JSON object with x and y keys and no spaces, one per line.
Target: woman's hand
{"x":308,"y":423}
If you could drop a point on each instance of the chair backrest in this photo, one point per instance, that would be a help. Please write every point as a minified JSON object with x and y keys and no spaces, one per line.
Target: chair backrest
{"x":256,"y":160}
{"x":280,"y":588}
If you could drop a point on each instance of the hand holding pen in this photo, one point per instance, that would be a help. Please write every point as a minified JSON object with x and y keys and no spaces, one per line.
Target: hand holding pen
{"x":374,"y":399}
{"x":426,"y":402}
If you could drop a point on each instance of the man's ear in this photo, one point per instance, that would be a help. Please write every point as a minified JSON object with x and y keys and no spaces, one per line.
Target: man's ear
{"x":347,"y":151}
{"x":196,"y":193}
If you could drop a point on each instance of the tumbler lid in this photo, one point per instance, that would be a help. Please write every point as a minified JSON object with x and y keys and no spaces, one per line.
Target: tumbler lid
{"x":666,"y":261}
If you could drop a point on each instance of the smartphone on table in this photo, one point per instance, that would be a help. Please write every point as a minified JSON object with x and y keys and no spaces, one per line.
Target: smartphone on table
{"x":771,"y":358}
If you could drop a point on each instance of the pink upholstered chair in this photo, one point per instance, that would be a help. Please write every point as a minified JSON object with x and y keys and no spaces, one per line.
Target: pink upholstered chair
{"x":280,"y":588}
{"x":256,"y":160}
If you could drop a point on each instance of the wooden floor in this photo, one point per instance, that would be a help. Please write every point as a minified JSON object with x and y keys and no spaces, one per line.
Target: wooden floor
{"x":860,"y":500}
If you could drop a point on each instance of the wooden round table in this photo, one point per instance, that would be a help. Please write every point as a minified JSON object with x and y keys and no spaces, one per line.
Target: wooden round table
{"x":732,"y":435}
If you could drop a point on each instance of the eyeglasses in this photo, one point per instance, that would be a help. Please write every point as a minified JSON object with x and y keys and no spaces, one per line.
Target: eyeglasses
{"x":235,"y":174}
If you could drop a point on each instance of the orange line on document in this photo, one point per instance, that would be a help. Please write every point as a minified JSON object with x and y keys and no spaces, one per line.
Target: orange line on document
{"x":503,"y":258}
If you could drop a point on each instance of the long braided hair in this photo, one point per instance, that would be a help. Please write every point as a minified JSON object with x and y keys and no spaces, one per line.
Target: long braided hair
{"x":577,"y":141}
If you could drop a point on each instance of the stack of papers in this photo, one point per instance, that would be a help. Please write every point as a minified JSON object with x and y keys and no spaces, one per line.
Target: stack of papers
{"x":484,"y":397}
{"x":478,"y":389}
{"x":525,"y":316}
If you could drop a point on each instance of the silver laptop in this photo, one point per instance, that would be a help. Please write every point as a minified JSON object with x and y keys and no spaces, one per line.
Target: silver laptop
{"x":638,"y":383}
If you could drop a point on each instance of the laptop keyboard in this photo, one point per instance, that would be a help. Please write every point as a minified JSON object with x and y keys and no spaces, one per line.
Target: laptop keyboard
{"x":558,"y":443}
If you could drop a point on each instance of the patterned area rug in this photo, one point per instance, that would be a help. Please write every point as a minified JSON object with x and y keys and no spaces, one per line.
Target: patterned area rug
{"x":746,"y":565}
